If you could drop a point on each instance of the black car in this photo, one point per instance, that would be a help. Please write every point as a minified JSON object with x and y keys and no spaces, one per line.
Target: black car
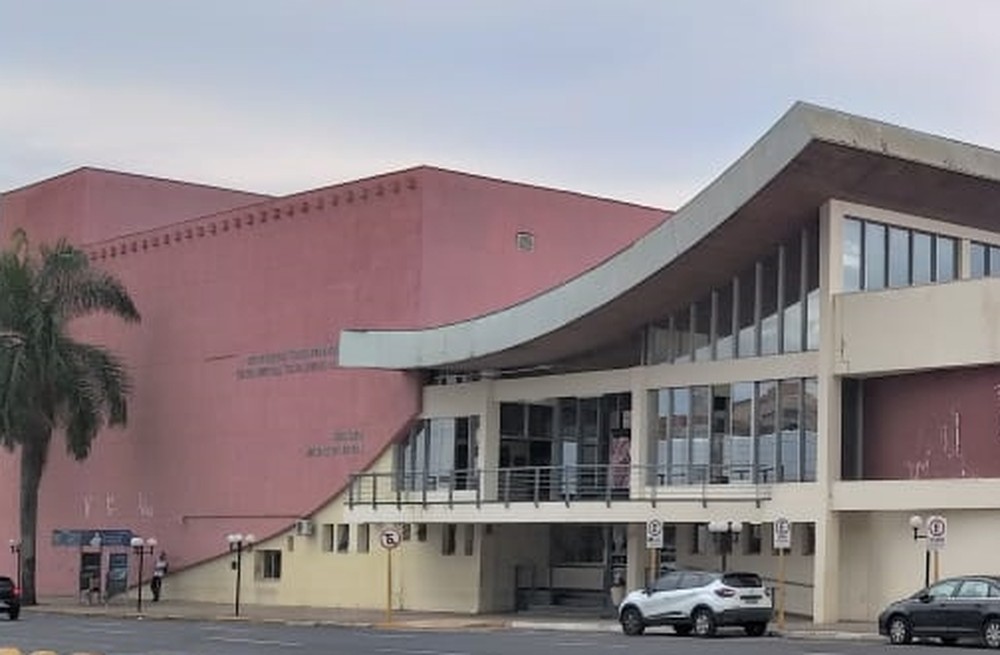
{"x":10,"y":598}
{"x":964,"y":607}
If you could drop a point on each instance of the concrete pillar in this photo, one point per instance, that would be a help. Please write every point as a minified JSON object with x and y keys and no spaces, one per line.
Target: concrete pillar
{"x":826,"y":570}
{"x":488,"y":459}
{"x":638,"y":556}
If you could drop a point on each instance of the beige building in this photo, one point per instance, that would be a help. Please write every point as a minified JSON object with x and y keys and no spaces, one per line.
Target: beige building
{"x":814,"y":337}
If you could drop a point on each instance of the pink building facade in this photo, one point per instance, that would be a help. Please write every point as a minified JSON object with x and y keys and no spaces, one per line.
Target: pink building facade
{"x":241,"y":419}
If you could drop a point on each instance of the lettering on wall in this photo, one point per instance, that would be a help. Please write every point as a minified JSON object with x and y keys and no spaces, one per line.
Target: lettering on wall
{"x":341,"y":443}
{"x":288,"y":362}
{"x":144,"y":506}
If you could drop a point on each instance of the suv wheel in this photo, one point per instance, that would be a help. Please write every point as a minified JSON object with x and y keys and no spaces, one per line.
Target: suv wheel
{"x":704,"y":622}
{"x":755,"y":629}
{"x":632,"y":623}
{"x":14,"y":614}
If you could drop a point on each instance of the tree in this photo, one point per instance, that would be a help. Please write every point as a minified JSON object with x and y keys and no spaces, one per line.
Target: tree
{"x":50,"y":382}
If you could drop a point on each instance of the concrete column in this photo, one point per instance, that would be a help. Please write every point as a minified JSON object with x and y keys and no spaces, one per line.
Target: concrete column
{"x":639,"y":447}
{"x":826,"y":570}
{"x":488,"y":459}
{"x":638,"y":556}
{"x":826,"y":603}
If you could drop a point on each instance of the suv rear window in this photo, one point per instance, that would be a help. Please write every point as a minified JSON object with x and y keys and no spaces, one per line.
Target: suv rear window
{"x":742,"y":580}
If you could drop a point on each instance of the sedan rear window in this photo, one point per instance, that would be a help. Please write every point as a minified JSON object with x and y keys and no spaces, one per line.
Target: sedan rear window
{"x":751,"y":580}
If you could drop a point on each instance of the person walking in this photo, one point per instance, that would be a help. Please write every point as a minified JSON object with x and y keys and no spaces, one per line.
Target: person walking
{"x":159,"y":571}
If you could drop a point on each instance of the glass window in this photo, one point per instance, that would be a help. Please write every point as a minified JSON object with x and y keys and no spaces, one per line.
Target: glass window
{"x":978,"y":264}
{"x":669,"y":582}
{"x":658,"y":344}
{"x":769,"y":305}
{"x":268,"y":564}
{"x":540,"y":421}
{"x":363,"y":538}
{"x":682,"y":334}
{"x":766,"y":407}
{"x":702,"y":329}
{"x":680,"y":411}
{"x":899,"y":257}
{"x":943,"y":589}
{"x":946,"y":257}
{"x":700,"y":416}
{"x":448,"y":539}
{"x":343,"y":537}
{"x":812,"y":289}
{"x":810,"y":392}
{"x":973,"y":589}
{"x":724,"y":322}
{"x":741,"y":426}
{"x":994,"y":261}
{"x":922,"y":258}
{"x":792,"y":296}
{"x":512,"y":419}
{"x":746,"y":291}
{"x":851,"y":256}
{"x":788,"y":459}
{"x":874,"y":260}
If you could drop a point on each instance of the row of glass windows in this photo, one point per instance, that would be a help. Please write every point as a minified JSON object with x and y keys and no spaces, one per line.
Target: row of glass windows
{"x":879,"y":256}
{"x":769,"y":308}
{"x":741,"y":432}
{"x":984,"y":260}
{"x":437,"y":449}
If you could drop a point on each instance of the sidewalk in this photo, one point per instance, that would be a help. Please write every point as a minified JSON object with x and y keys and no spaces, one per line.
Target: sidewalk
{"x":795,"y":628}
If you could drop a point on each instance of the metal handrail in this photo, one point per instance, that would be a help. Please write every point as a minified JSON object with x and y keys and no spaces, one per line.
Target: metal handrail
{"x":560,"y":483}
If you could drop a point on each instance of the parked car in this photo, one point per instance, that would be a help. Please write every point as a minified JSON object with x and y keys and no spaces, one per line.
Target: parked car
{"x":10,"y":598}
{"x":699,"y":602}
{"x":964,"y":607}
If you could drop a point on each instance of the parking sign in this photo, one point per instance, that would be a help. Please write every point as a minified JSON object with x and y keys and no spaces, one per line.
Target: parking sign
{"x":937,"y":532}
{"x":654,"y":534}
{"x":782,"y":532}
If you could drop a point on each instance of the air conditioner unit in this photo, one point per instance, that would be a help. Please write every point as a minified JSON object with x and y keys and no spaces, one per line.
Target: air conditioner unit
{"x":304,"y":528}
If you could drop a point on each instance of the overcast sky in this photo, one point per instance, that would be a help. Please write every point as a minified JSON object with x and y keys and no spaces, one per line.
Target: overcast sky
{"x":641,"y":100}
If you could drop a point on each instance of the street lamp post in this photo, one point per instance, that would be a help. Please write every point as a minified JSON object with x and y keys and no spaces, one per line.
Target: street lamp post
{"x":725,"y":531}
{"x":238,"y":543}
{"x":141,"y":548}
{"x":917,"y":524}
{"x":15,"y":548}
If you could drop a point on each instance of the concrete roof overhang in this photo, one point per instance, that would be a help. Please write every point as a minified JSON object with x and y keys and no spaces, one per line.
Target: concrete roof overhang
{"x":810,"y":155}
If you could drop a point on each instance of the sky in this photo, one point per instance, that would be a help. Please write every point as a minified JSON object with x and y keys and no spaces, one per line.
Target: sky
{"x":640,"y":100}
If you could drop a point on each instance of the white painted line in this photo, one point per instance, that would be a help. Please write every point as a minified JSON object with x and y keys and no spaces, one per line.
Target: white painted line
{"x":258,"y":642}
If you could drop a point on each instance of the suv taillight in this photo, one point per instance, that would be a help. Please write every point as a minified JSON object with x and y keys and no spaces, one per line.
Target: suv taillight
{"x":16,"y":591}
{"x":725,"y":592}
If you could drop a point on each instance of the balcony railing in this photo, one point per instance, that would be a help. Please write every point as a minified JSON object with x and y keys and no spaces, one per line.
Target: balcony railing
{"x":567,"y":484}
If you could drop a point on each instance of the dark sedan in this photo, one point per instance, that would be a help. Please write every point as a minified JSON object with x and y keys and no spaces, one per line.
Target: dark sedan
{"x":965,"y":607}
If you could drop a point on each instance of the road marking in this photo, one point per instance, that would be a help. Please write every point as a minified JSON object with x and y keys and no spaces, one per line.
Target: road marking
{"x":107,"y":631}
{"x":258,"y":642}
{"x":410,"y":651}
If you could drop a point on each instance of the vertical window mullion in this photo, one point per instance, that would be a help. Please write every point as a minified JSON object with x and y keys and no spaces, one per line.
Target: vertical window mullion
{"x":758,"y":301}
{"x":737,"y":296}
{"x":713,"y":332}
{"x":782,"y":257}
{"x":804,"y":288}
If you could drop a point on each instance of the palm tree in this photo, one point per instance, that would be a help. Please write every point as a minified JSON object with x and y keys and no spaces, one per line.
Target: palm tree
{"x":48,"y":381}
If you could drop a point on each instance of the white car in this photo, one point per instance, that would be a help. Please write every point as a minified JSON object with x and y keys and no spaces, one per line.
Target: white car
{"x":699,"y":601}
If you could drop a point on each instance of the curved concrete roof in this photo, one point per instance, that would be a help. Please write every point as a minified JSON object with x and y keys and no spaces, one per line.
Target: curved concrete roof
{"x":810,"y":155}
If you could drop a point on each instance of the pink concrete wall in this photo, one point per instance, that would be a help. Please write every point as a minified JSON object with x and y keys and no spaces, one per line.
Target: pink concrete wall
{"x":939,"y":424}
{"x":90,"y":204}
{"x":468,"y":218}
{"x":240,"y":421}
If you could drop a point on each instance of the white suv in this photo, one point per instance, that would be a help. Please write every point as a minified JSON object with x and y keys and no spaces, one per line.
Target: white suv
{"x":699,"y":601}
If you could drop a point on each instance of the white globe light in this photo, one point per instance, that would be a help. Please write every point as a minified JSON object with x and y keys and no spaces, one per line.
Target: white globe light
{"x":136,"y":542}
{"x":916,"y":521}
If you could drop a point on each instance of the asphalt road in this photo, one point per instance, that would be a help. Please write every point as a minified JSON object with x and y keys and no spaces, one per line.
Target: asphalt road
{"x":70,"y":634}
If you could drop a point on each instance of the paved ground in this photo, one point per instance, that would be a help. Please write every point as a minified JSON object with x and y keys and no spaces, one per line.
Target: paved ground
{"x":300,"y":615}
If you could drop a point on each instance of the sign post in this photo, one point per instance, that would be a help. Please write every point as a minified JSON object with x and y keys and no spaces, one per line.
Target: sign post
{"x":937,"y":537}
{"x":390,"y":539}
{"x":654,"y":542}
{"x":782,"y":535}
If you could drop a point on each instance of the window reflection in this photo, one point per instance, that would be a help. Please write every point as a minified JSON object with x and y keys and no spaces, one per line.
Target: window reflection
{"x":874,"y":249}
{"x":922,"y":247}
{"x":851,"y":252}
{"x":899,"y":257}
{"x":946,"y":258}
